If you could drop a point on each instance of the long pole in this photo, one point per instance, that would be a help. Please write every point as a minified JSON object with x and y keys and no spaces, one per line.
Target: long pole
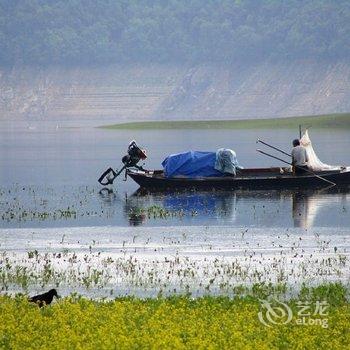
{"x":269,"y":155}
{"x":309,"y":171}
{"x":273,"y":147}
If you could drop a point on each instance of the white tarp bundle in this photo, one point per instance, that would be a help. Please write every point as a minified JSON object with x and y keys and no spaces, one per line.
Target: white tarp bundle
{"x":314,"y":163}
{"x":226,"y":161}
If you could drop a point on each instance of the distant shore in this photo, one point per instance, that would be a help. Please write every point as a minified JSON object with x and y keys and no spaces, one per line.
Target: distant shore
{"x":336,"y":121}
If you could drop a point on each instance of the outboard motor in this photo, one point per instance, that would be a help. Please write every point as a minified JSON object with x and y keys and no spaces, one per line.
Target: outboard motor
{"x":130,"y":160}
{"x":135,"y":154}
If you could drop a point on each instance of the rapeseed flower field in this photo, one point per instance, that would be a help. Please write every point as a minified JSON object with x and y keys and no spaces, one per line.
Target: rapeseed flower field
{"x":178,"y":322}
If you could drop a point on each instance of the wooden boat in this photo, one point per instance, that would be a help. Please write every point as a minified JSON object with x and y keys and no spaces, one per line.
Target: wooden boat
{"x":259,"y":178}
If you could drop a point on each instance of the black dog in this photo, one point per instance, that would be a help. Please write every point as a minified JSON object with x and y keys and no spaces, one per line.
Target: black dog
{"x":44,"y":299}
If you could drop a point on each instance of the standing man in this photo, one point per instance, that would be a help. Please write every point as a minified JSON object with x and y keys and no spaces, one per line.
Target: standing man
{"x":299,"y":158}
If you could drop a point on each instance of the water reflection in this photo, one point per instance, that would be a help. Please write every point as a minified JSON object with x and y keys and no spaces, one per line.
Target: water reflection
{"x":34,"y":206}
{"x":133,"y":212}
{"x":309,"y":206}
{"x":242,"y":208}
{"x":107,"y":195}
{"x":300,"y":211}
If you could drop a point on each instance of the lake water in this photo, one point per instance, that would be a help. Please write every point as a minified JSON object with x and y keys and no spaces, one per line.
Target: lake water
{"x":47,"y":169}
{"x":54,"y":213}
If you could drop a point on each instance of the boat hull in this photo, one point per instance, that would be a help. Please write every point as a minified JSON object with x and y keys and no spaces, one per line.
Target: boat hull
{"x":263,"y":181}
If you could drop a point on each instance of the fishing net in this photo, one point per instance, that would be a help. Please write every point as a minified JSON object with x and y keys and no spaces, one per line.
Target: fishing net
{"x":314,"y":163}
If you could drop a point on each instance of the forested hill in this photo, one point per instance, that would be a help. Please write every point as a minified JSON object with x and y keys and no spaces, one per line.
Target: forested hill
{"x":76,"y":32}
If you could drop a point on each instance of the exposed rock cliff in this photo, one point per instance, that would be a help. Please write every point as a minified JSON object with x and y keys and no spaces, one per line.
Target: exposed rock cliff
{"x":175,"y":92}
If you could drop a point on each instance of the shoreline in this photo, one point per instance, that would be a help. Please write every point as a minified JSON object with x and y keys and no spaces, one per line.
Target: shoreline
{"x":336,"y":121}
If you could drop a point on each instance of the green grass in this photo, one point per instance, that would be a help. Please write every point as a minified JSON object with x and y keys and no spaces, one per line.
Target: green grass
{"x":336,"y":121}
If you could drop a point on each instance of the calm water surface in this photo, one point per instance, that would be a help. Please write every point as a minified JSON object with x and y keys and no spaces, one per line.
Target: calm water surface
{"x":49,"y":178}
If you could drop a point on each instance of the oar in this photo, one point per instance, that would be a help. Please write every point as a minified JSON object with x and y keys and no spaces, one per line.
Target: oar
{"x":273,"y":147}
{"x":309,"y":171}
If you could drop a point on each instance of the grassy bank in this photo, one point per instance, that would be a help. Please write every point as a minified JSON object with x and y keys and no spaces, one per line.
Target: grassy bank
{"x":174,"y":323}
{"x":320,"y":121}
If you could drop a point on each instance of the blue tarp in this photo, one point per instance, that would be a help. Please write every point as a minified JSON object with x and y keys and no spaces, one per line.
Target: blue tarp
{"x":191,"y":164}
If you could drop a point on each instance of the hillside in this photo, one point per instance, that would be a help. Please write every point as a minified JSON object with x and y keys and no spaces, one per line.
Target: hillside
{"x":157,"y":92}
{"x":90,"y":32}
{"x":102,"y":32}
{"x":178,"y":59}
